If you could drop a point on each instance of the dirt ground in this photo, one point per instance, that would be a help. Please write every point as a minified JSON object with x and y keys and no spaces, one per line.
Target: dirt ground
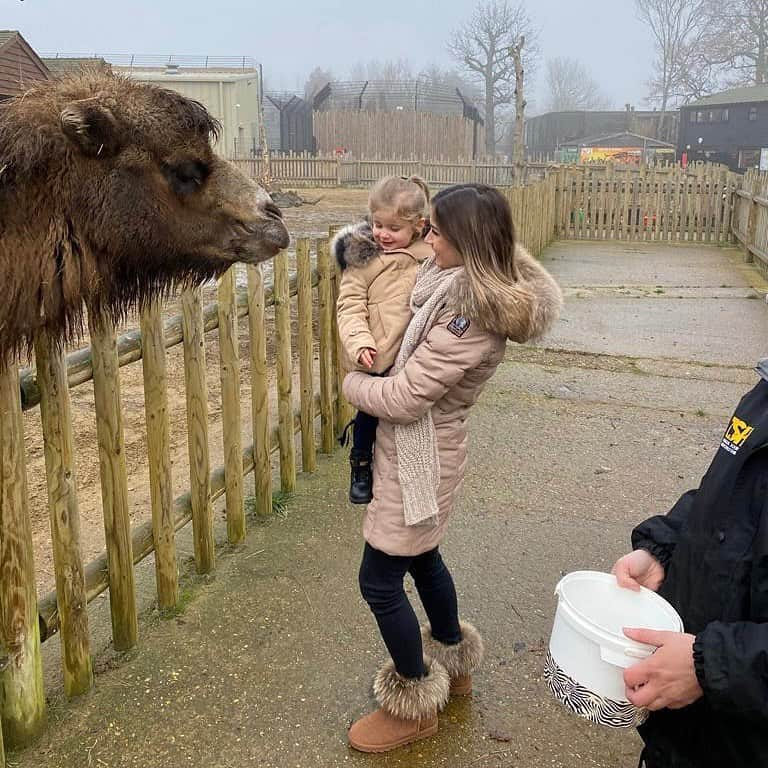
{"x":331,"y":207}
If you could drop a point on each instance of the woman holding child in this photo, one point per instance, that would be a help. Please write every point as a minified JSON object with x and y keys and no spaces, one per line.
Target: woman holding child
{"x":475,"y":290}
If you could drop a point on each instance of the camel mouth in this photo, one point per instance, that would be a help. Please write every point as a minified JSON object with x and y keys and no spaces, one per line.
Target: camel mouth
{"x":254,"y":242}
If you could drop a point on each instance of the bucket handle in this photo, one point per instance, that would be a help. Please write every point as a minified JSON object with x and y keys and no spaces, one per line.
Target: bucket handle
{"x":624,"y":658}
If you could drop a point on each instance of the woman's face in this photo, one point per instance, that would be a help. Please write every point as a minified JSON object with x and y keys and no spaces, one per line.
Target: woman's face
{"x":446,"y":256}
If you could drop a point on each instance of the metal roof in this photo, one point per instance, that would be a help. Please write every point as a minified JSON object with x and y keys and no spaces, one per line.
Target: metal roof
{"x":733,"y":96}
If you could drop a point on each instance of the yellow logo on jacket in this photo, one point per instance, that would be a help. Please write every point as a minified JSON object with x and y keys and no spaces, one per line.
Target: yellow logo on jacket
{"x":736,"y":435}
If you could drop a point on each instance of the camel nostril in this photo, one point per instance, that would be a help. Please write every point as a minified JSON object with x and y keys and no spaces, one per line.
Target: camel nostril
{"x":272,"y":211}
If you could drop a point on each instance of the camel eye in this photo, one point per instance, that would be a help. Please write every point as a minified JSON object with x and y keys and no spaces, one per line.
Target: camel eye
{"x":187,"y":177}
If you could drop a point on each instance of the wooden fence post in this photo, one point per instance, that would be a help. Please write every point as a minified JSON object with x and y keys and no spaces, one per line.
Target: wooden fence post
{"x":751,"y":227}
{"x":344,"y":410}
{"x":159,"y":454}
{"x":325,"y":321}
{"x":306,"y":347}
{"x":262,"y":465}
{"x":284,"y":374}
{"x":197,"y":430}
{"x":229,"y":366}
{"x":114,"y":482}
{"x":55,"y":411}
{"x":22,"y":699}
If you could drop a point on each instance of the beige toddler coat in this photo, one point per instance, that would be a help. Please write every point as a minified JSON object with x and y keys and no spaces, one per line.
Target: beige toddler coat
{"x":373,"y":308}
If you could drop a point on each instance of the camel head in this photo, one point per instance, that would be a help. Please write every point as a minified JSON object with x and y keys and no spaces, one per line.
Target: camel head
{"x":110,"y":193}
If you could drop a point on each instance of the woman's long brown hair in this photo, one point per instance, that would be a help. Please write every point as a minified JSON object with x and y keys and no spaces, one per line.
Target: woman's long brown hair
{"x":477,"y":220}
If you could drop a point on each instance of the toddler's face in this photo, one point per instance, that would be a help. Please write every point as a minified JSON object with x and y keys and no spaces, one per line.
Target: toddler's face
{"x":390,"y":231}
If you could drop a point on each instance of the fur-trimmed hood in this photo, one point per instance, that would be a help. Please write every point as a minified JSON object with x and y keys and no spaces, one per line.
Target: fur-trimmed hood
{"x":522,"y":311}
{"x":355,"y":246}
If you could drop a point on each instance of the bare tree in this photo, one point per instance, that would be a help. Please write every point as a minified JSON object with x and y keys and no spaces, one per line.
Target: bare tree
{"x":317,"y":80}
{"x":483,"y":46}
{"x":571,"y":87}
{"x":389,"y":70}
{"x":738,"y":40}
{"x":679,"y":29}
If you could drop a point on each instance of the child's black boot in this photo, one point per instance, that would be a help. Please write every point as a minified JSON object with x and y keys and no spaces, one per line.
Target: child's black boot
{"x":361,"y":479}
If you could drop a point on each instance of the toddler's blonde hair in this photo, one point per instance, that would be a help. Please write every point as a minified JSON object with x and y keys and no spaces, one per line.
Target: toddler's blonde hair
{"x":407,"y":197}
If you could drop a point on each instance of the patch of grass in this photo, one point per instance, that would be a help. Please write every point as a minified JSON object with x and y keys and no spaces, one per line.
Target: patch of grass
{"x":700,"y":412}
{"x":186,"y":595}
{"x":659,"y":289}
{"x":280,"y":501}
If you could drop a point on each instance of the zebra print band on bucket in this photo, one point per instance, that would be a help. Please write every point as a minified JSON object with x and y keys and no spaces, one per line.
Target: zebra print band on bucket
{"x":584,"y":703}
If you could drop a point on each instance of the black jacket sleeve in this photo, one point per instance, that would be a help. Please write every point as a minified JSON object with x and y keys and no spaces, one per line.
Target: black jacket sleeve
{"x":731,"y":662}
{"x":660,"y":534}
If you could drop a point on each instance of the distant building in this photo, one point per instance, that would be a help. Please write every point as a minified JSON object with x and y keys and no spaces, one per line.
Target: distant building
{"x":546,"y":134}
{"x":729,"y":127}
{"x":20,"y":66}
{"x":59,"y":65}
{"x":625,"y":148}
{"x":228,"y":87}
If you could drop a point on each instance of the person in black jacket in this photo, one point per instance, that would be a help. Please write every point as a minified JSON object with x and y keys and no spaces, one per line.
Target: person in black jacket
{"x":707,"y":687}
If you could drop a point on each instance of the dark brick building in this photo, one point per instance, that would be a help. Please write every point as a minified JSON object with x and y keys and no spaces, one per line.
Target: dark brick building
{"x":730,"y":127}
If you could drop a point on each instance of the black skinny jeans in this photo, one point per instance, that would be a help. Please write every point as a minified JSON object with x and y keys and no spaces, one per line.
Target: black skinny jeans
{"x":381,"y":584}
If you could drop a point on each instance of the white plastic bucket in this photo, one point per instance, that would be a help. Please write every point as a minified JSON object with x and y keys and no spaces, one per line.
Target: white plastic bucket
{"x":588,"y":651}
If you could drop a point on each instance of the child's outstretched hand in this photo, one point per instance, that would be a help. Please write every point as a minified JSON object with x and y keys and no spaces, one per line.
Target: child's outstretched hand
{"x":367,"y":356}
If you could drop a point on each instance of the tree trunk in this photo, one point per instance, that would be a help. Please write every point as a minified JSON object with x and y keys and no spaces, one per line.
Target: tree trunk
{"x":490,"y":117}
{"x":518,"y":149}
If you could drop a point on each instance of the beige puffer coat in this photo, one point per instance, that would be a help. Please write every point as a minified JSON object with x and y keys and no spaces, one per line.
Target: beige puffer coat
{"x":446,"y":374}
{"x":373,"y":308}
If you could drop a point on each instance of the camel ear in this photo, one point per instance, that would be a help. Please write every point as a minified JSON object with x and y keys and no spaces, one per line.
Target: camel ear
{"x":92,"y":127}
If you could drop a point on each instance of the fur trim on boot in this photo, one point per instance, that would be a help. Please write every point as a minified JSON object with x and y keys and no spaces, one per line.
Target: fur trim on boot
{"x":460,"y":659}
{"x":410,"y":699}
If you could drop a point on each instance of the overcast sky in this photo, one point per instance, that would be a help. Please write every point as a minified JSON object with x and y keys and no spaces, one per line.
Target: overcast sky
{"x":291,"y":37}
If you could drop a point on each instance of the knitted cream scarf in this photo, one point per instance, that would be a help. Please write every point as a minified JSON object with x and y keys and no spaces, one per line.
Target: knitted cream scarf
{"x":418,"y":462}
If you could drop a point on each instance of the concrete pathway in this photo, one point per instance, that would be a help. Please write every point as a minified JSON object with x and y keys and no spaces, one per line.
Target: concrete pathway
{"x":573,"y":442}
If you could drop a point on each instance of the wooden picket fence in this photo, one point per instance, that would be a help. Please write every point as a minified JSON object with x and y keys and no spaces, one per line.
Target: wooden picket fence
{"x":306,"y":170}
{"x":750,"y":218}
{"x":671,"y":205}
{"x":24,"y":621}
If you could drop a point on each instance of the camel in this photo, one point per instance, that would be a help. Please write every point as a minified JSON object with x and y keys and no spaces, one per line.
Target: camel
{"x":111,"y":195}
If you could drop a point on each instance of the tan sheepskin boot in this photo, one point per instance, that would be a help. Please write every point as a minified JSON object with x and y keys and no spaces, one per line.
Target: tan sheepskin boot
{"x":407,"y":709}
{"x":459,"y":660}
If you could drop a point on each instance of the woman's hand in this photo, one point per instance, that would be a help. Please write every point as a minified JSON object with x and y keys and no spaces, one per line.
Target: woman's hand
{"x":367,"y":357}
{"x":639,"y":569}
{"x":667,"y":678}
